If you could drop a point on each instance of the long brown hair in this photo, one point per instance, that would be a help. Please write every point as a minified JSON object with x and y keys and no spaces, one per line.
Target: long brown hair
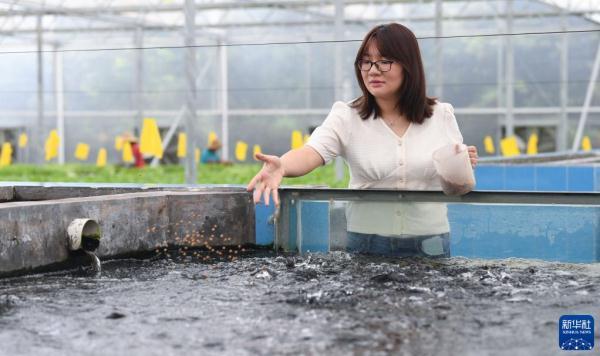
{"x":398,"y":43}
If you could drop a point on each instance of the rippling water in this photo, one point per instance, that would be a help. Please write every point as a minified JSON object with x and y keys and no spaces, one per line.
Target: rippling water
{"x":266,"y":304}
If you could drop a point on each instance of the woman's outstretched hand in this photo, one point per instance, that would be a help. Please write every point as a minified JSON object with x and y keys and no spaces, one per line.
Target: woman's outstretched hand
{"x":266,"y":182}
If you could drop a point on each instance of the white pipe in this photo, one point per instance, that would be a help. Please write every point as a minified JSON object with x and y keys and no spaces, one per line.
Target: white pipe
{"x":81,"y":229}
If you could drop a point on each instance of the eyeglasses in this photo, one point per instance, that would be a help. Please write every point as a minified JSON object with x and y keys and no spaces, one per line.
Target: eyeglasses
{"x":382,"y":66}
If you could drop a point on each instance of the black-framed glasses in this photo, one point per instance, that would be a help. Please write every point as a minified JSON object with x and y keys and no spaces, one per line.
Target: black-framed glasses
{"x":384,"y":65}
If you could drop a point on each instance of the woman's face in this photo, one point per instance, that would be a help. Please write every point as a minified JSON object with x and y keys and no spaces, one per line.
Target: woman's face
{"x":382,"y":85}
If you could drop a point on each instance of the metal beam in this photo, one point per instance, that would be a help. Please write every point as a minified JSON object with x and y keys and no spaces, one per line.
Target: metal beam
{"x":510,"y":71}
{"x":439,"y":54}
{"x":138,"y":84}
{"x":475,"y":197}
{"x":60,"y":103}
{"x":542,"y":111}
{"x":191,"y":172}
{"x":587,"y":14}
{"x":38,"y":137}
{"x":563,"y":128}
{"x":97,"y":14}
{"x":175,"y":8}
{"x":31,"y":8}
{"x":500,"y":77}
{"x":233,"y":5}
{"x":338,"y":74}
{"x":260,"y":24}
{"x":224,"y":99}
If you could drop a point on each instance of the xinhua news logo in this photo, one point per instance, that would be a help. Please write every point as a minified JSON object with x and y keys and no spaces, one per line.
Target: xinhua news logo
{"x":576,"y":332}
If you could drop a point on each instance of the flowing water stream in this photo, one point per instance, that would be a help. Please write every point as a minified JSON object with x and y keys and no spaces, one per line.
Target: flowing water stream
{"x":269,"y":304}
{"x":96,"y":265}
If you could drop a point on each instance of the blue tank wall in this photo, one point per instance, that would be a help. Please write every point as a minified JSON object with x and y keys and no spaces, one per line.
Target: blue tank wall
{"x":552,"y":233}
{"x":555,"y":233}
{"x":538,"y":178}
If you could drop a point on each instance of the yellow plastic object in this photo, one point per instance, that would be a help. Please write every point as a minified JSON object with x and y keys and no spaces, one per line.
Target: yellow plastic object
{"x":532,"y":144}
{"x":22,"y":140}
{"x":306,"y":137}
{"x":51,"y":146}
{"x":211,"y":137}
{"x":297,"y":141}
{"x":509,"y":146}
{"x":182,"y":145}
{"x":241,"y":151}
{"x":82,"y":151}
{"x":197,"y":155}
{"x":119,"y":143}
{"x":127,"y":152}
{"x":6,"y":154}
{"x":150,"y":141}
{"x":586,"y":143}
{"x":255,"y":151}
{"x":101,"y":160}
{"x":488,"y":143}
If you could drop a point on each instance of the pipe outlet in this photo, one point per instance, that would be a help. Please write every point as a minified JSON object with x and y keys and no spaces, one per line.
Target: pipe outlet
{"x":84,"y":234}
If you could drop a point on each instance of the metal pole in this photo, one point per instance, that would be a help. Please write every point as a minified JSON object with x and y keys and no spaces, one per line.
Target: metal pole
{"x":588,"y":101}
{"x":499,"y":76}
{"x":139,"y":77}
{"x":60,"y":103}
{"x":38,"y":130}
{"x":500,"y":84}
{"x":510,"y":72}
{"x":191,"y":174}
{"x":339,"y":72}
{"x":224,"y":100}
{"x":439,"y":59}
{"x":308,"y":70}
{"x":563,"y":125}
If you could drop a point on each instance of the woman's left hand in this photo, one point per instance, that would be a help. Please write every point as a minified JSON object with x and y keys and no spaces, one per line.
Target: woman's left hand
{"x":473,"y":155}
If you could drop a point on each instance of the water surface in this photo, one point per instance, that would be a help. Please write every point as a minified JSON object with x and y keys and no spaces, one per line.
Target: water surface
{"x":266,"y":304}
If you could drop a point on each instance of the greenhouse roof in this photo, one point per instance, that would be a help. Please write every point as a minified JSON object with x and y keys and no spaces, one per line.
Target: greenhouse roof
{"x":73,"y":22}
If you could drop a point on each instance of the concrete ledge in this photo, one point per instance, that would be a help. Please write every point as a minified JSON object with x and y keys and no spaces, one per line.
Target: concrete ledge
{"x":25,"y":193}
{"x":33,"y":234}
{"x":7,"y":194}
{"x":32,"y":191}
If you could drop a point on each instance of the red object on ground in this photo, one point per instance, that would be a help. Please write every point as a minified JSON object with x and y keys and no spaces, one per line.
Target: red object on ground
{"x":137,"y":155}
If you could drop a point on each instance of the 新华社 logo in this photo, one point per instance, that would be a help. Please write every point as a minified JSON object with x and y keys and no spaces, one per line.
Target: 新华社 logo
{"x":576,"y":332}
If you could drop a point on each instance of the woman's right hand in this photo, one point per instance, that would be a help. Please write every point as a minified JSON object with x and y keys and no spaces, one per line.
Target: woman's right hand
{"x":266,"y":182}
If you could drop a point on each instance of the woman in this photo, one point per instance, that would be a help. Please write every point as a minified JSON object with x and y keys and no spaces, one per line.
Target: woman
{"x":387,"y":137}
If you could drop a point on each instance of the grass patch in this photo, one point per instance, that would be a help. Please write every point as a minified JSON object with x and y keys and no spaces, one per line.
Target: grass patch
{"x":207,"y":174}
